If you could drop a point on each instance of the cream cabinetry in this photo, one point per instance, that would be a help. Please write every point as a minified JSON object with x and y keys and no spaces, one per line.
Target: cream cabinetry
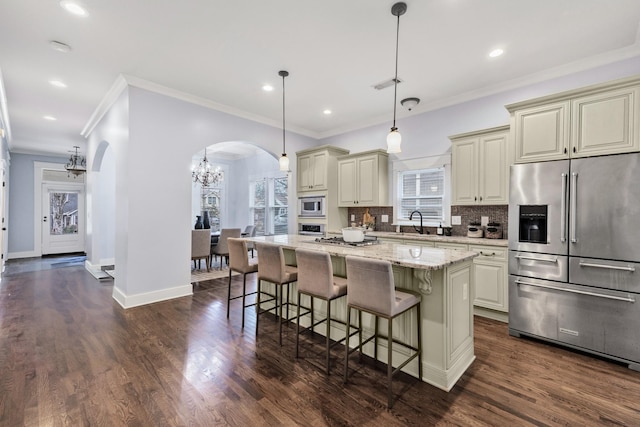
{"x":363,"y":179}
{"x":490,"y":277}
{"x":480,"y":167}
{"x":315,"y":166}
{"x":597,"y":120}
{"x":490,"y":273}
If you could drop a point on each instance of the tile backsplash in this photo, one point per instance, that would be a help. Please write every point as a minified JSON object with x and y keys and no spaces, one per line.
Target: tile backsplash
{"x":495,"y":213}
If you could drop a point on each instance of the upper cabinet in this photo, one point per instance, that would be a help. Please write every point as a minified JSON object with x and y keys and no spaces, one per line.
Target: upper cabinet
{"x":480,"y":167}
{"x":597,"y":120}
{"x":363,"y":179}
{"x":314,"y":167}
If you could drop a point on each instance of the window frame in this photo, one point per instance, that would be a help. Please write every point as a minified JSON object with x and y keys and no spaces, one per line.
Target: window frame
{"x":418,"y":164}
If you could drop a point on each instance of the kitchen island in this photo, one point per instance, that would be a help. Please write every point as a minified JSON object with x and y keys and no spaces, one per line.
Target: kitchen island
{"x":444,"y":279}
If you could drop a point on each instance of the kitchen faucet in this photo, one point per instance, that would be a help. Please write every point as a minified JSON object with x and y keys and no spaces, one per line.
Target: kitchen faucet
{"x":421,"y":230}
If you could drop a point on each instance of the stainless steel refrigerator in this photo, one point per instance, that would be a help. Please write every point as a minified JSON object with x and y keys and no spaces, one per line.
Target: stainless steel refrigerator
{"x":574,"y":254}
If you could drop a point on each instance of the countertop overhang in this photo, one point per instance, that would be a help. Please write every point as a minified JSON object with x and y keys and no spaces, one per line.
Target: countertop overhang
{"x":404,"y":255}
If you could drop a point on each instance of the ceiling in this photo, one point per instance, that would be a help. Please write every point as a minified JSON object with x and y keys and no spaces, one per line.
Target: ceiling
{"x":335,"y":51}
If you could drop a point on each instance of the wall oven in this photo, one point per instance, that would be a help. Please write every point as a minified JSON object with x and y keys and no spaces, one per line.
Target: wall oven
{"x":311,"y":206}
{"x":311,"y":229}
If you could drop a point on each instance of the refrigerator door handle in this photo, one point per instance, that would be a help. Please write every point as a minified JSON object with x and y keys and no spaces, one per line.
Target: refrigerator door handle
{"x":573,"y":208}
{"x":576,"y":291}
{"x":530,"y":258}
{"x":563,"y":210}
{"x":608,"y":267}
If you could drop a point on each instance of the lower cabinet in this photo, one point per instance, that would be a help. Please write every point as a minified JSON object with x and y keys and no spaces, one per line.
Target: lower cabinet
{"x":490,"y":277}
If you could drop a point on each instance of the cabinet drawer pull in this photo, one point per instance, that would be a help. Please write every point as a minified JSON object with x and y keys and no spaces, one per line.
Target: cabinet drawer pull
{"x":487,"y":254}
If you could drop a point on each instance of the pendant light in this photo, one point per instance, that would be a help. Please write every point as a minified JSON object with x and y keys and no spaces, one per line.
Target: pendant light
{"x":394,"y":138}
{"x":284,"y":160}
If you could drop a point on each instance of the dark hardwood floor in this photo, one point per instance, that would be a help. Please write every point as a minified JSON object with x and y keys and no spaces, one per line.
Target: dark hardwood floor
{"x":70,"y":355}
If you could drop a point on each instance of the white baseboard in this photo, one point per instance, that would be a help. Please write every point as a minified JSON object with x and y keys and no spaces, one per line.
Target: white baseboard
{"x":28,"y":254}
{"x":130,"y":301}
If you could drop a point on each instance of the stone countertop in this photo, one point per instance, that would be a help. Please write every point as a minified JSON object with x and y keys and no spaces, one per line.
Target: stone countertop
{"x":435,"y":238}
{"x":404,"y":255}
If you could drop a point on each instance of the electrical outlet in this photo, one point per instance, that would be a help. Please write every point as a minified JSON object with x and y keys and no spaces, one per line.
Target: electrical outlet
{"x":353,"y":217}
{"x":385,"y":218}
{"x":456,"y":220}
{"x":484,"y":220}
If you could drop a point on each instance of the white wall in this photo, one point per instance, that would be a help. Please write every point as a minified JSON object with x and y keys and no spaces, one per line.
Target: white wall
{"x":426,"y":134}
{"x":153,"y":185}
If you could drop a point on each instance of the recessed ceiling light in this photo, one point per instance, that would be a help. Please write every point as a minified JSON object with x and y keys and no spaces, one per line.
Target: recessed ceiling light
{"x":74,"y":7}
{"x":50,"y":118}
{"x":267,"y":88}
{"x":59,"y":46}
{"x":327,"y":112}
{"x":496,"y":52}
{"x":57,"y":83}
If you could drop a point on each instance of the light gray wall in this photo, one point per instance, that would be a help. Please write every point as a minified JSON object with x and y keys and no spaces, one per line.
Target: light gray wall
{"x":426,"y":134}
{"x":22,"y":213}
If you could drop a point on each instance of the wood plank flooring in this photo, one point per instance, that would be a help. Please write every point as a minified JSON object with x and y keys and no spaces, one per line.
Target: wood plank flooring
{"x":70,"y":355}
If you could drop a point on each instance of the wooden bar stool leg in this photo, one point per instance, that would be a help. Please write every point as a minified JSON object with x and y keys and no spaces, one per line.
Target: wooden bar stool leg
{"x":257,"y":306}
{"x":390,"y":362}
{"x":328,"y":345}
{"x":298,"y":323}
{"x":346,"y":352}
{"x":244,"y":293}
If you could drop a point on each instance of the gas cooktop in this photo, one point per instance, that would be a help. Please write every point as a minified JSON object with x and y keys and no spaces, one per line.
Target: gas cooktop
{"x":368,"y":241}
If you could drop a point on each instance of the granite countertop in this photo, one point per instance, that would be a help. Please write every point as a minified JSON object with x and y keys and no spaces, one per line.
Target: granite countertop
{"x":404,"y":255}
{"x":435,"y":238}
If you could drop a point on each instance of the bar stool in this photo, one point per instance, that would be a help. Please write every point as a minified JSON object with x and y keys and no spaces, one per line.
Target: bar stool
{"x":371,"y":289}
{"x":272,"y":268}
{"x":316,"y":279}
{"x":239,"y":262}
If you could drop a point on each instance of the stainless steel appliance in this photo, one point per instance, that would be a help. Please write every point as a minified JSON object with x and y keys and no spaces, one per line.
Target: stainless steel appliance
{"x":311,"y":229}
{"x":574,"y":254}
{"x":311,"y":206}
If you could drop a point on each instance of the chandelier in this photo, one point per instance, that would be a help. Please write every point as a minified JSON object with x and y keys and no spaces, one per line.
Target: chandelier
{"x":77,"y":164}
{"x":204,"y":174}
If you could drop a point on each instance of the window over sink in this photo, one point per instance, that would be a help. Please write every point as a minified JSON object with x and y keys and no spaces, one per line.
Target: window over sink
{"x":422,"y":185}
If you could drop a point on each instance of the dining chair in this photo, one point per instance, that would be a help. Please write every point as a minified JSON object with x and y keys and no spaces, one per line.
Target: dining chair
{"x":371,"y":289}
{"x":200,"y":247}
{"x":222,"y":248}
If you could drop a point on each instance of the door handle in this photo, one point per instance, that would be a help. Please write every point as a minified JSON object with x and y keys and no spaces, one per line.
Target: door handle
{"x":530,"y":258}
{"x":563,"y":210}
{"x":44,"y":219}
{"x":576,"y":291}
{"x":608,"y":267}
{"x":574,"y":206}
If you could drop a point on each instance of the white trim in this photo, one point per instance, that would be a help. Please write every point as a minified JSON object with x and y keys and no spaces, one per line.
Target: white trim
{"x":26,"y":254}
{"x":37,"y":205}
{"x":123,"y":81}
{"x":430,"y":162}
{"x":130,"y":301}
{"x":105,"y":104}
{"x":4,"y":113}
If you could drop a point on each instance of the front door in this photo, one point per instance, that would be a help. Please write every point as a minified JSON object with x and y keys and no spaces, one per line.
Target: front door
{"x":63,"y":228}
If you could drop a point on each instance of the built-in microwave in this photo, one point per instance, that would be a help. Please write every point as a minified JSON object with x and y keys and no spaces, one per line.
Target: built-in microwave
{"x":311,"y":206}
{"x":311,"y":229}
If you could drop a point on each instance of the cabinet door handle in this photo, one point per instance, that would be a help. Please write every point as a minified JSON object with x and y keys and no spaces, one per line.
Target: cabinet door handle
{"x":480,"y":198}
{"x":475,"y":199}
{"x":565,"y":150}
{"x":574,"y":149}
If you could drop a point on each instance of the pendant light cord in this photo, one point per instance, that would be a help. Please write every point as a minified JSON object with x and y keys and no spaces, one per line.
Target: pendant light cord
{"x":284,"y":151}
{"x":395,"y":80}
